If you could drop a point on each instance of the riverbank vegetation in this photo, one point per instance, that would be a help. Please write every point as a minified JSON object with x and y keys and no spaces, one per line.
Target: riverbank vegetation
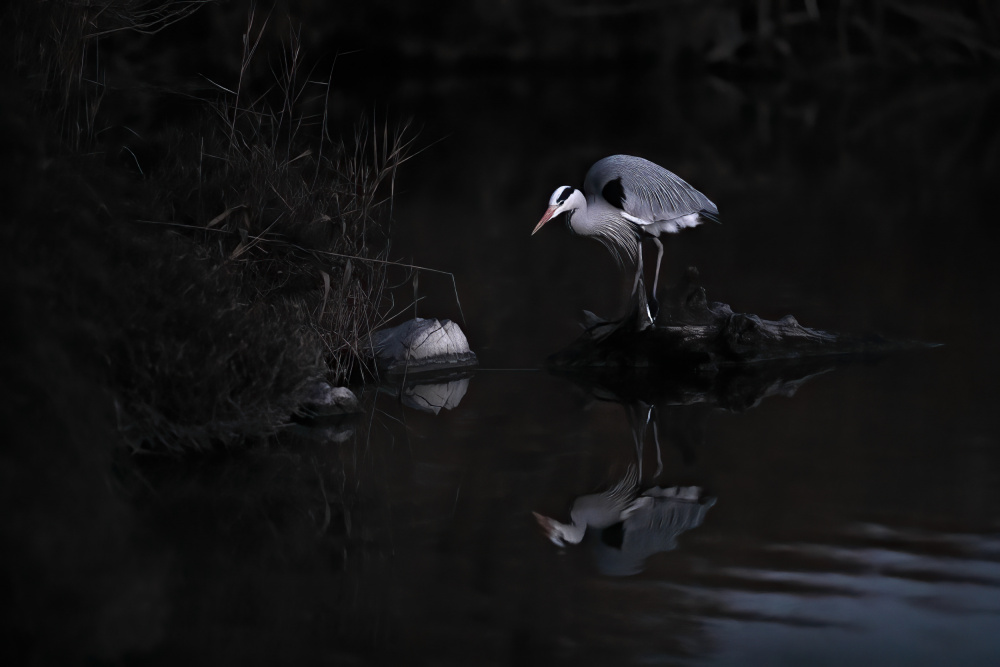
{"x":207,"y":266}
{"x":208,"y":227}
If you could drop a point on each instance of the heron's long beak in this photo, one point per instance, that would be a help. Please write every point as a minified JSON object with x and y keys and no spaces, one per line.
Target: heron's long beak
{"x":549,"y":212}
{"x":549,"y":526}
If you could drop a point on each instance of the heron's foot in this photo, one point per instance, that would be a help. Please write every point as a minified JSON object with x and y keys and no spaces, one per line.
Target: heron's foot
{"x":644,"y":321}
{"x":647,"y":313}
{"x":598,"y":328}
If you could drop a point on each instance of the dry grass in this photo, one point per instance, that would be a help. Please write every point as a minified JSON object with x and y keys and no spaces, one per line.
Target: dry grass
{"x":304,"y":216}
{"x":245,"y":263}
{"x":57,"y":44}
{"x":297,"y":244}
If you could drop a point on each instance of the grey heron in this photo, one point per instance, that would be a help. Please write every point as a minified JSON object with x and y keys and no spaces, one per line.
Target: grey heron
{"x":626,"y":199}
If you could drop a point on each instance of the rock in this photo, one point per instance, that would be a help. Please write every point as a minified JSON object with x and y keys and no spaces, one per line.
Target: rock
{"x":323,"y":400}
{"x":421,"y":345}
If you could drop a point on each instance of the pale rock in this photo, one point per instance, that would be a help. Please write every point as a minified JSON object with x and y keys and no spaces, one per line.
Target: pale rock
{"x":323,"y":400}
{"x":420,"y":345}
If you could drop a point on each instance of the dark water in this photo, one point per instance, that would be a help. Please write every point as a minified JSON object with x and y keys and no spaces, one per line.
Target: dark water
{"x":850,"y":515}
{"x":855,"y":514}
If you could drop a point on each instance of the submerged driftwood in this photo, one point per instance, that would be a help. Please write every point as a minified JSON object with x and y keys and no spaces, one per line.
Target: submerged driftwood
{"x":695,"y":336}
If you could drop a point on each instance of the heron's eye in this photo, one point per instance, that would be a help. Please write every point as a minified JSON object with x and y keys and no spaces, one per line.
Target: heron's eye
{"x":564,"y":195}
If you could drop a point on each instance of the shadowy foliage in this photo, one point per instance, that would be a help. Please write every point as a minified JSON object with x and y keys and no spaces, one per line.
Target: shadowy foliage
{"x":56,"y":43}
{"x":300,"y":216}
{"x":735,"y":37}
{"x":224,"y":271}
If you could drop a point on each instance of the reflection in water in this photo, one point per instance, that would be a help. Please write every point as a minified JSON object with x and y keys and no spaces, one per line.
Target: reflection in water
{"x":431,"y":396}
{"x":337,"y":431}
{"x":435,"y":397}
{"x":866,"y":590}
{"x":633,"y":523}
{"x":632,"y":526}
{"x":660,"y":516}
{"x":596,"y":510}
{"x":372,"y":551}
{"x":677,"y":407}
{"x":731,"y":388}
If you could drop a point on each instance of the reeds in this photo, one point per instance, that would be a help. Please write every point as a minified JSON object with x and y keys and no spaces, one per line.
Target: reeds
{"x":244,"y":262}
{"x":297,"y":248}
{"x":56,"y":44}
{"x":304,"y":219}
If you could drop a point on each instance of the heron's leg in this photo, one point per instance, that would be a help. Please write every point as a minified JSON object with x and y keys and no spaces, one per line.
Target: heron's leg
{"x":659,"y":258}
{"x":638,"y":430}
{"x":638,"y":269}
{"x":656,"y":440}
{"x":654,"y":305}
{"x":644,"y":301}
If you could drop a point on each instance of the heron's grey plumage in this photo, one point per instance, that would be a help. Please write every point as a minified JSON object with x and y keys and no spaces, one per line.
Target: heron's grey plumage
{"x":651,"y":520}
{"x":651,"y":193}
{"x":596,"y":510}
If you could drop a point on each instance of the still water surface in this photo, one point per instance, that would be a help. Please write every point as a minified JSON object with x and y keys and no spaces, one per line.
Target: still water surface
{"x":850,"y":513}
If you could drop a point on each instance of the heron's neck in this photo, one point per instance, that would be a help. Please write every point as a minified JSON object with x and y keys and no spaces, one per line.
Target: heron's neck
{"x":590,"y":218}
{"x":578,"y":219}
{"x":572,"y":532}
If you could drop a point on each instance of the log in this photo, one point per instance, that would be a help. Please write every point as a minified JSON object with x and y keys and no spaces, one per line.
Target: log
{"x":695,"y":337}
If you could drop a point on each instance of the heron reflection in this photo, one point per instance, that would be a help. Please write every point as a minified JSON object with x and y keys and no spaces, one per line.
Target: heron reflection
{"x":632,"y":523}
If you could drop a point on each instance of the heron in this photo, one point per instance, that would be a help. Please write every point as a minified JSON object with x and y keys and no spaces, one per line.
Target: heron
{"x":625,"y":200}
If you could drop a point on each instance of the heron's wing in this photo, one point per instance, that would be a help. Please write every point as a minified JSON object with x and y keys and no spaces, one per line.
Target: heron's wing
{"x":624,"y":491}
{"x":600,"y":510}
{"x":647,"y":192}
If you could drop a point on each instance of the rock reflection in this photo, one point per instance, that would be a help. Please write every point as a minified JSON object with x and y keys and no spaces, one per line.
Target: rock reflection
{"x":431,"y":394}
{"x":333,"y":431}
{"x":435,"y":397}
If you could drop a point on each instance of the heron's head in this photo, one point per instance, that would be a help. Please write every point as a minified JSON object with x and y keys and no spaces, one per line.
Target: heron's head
{"x":564,"y":199}
{"x":560,"y":533}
